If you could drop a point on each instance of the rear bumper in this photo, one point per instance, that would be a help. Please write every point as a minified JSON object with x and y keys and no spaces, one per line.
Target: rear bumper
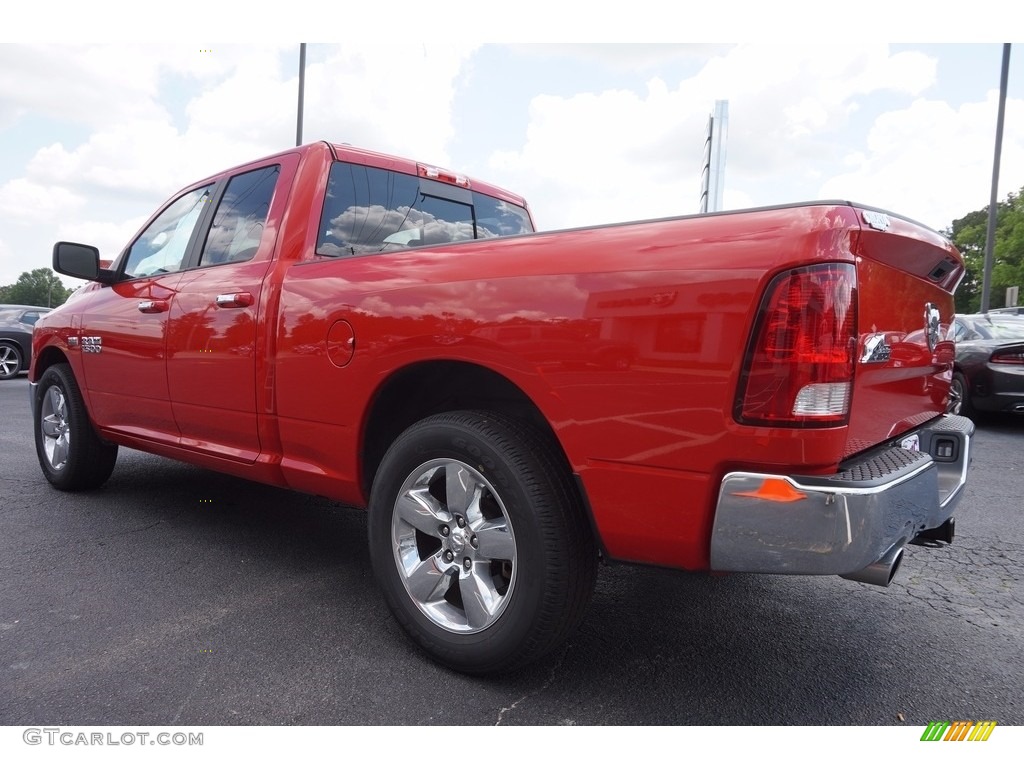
{"x":848,"y":524}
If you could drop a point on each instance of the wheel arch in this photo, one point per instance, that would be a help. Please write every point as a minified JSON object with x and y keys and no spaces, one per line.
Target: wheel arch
{"x":425,"y":388}
{"x":49,"y":356}
{"x":13,"y":341}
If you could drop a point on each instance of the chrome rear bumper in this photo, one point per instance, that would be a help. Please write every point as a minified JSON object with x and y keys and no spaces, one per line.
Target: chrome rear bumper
{"x":854,"y":523}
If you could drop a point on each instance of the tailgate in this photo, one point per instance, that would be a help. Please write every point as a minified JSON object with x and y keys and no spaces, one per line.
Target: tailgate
{"x":906,"y":277}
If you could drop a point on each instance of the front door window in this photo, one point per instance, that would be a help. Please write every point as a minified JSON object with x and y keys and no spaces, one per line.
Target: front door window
{"x":162,"y":247}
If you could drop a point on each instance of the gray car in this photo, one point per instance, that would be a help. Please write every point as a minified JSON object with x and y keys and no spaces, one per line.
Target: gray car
{"x":989,"y":370}
{"x":16,"y":323}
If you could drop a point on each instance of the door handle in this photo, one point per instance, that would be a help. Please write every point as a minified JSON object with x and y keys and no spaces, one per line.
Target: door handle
{"x":152,"y":307}
{"x":234,"y":300}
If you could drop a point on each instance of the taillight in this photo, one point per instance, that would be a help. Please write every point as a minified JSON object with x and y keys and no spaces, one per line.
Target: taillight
{"x":798,"y":370}
{"x":1013,"y":356}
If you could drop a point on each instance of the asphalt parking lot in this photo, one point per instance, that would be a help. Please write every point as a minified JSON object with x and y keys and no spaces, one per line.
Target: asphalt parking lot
{"x":177,"y":596}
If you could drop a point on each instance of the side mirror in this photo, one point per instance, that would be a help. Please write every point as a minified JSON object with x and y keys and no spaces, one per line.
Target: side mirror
{"x":77,"y":260}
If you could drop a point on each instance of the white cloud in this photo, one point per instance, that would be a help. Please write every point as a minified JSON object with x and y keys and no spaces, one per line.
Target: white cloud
{"x":621,"y":155}
{"x":901,"y":172}
{"x":147,"y":136}
{"x":787,"y":106}
{"x":394,"y":99}
{"x":97,"y":85}
{"x":151,"y":158}
{"x":254,"y":103}
{"x":110,"y":237}
{"x":366,"y":95}
{"x":27,"y":201}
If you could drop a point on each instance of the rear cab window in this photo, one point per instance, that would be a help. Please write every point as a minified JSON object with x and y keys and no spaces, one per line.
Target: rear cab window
{"x":373,"y":210}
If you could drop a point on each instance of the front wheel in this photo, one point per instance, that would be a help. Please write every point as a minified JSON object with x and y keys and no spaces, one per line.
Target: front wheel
{"x":10,"y":360}
{"x":479,"y":542}
{"x":960,"y":396}
{"x":71,"y":454}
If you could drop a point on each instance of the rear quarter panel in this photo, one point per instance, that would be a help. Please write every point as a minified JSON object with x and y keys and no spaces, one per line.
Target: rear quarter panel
{"x":649,"y":439}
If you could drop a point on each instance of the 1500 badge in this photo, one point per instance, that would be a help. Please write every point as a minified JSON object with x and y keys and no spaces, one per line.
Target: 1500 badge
{"x":92,"y":344}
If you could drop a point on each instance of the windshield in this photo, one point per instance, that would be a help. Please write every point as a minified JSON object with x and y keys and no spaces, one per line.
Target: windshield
{"x":30,"y":317}
{"x":1000,"y":328}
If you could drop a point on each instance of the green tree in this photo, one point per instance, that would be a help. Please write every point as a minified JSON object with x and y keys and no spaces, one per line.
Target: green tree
{"x":40,"y":287}
{"x":968,"y":235}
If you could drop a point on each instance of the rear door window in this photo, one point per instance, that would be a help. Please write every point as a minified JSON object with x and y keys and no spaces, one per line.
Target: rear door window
{"x":237,"y":228}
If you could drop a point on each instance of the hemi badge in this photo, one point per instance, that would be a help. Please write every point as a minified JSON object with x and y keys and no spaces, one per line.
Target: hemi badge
{"x":72,"y":341}
{"x":876,"y":220}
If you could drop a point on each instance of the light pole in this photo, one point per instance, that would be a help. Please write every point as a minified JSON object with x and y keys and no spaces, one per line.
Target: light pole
{"x":993,"y":204}
{"x":302,"y":88}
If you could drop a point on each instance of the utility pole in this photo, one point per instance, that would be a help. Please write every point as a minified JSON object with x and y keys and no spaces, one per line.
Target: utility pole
{"x":993,"y":203}
{"x":302,"y":88}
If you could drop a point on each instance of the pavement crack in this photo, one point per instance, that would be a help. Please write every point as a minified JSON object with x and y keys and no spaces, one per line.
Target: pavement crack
{"x":547,"y":684}
{"x":191,"y":693}
{"x":154,"y":524}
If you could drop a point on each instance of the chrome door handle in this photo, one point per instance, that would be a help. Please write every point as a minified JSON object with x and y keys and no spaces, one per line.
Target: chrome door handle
{"x":152,"y":307}
{"x":233,"y":300}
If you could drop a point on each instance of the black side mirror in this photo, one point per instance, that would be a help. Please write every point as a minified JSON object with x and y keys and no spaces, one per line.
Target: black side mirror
{"x":78,"y":260}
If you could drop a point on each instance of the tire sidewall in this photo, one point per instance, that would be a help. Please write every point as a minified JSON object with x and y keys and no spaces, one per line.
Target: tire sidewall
{"x":510,"y":633}
{"x":56,"y":376}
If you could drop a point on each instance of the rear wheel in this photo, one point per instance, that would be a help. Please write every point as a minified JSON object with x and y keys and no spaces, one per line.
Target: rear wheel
{"x":10,"y":360}
{"x":71,"y":454}
{"x":479,"y":542}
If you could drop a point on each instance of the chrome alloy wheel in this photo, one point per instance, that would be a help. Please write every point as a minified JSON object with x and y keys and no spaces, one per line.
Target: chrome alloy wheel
{"x":956,"y":396}
{"x":55,"y":428}
{"x":454,"y":546}
{"x":10,"y":361}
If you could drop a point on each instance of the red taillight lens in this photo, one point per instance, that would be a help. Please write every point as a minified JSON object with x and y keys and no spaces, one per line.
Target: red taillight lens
{"x":1009,"y":356}
{"x":799,"y":367}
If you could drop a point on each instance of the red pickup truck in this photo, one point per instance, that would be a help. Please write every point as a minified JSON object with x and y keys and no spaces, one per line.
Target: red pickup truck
{"x":759,"y":391}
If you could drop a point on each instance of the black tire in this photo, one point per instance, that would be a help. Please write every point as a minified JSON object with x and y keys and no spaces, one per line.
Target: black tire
{"x":10,"y":360}
{"x":71,"y":454}
{"x":960,"y":396}
{"x":518,"y":544}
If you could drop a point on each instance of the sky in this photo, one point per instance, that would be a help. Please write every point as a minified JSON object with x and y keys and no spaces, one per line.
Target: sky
{"x":99,"y":125}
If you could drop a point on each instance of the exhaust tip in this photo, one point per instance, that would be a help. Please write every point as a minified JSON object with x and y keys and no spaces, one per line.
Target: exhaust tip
{"x":882,"y":572}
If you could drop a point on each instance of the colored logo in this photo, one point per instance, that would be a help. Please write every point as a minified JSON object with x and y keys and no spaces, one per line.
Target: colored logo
{"x":958,"y":730}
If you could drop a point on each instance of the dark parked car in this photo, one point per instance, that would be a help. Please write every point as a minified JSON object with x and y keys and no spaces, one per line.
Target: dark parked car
{"x":16,"y":323}
{"x":989,"y":370}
